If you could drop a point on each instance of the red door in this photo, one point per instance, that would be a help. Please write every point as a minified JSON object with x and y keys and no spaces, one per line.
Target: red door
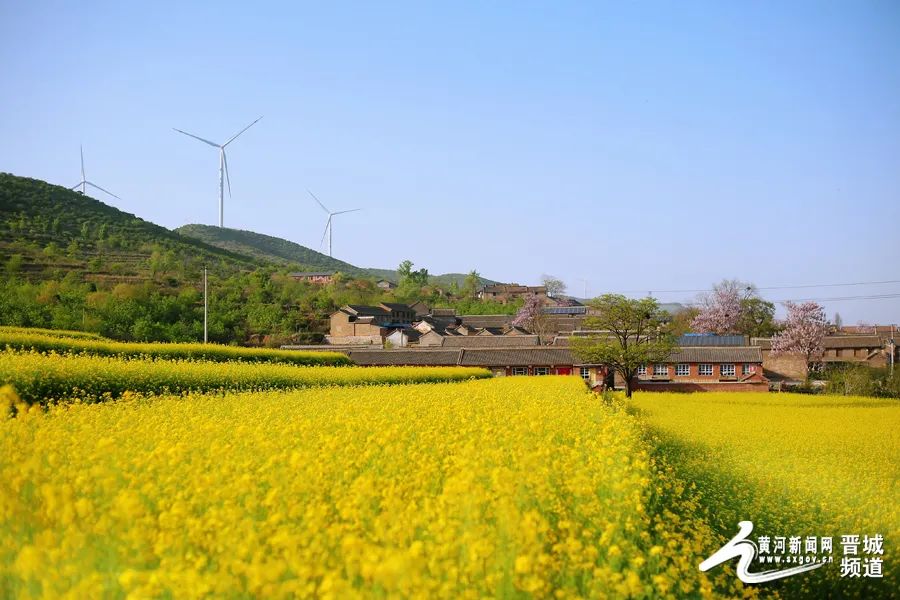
{"x":563,"y":371}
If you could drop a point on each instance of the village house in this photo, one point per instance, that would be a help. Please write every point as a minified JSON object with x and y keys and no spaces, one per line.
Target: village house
{"x":706,"y":368}
{"x":505,"y":292}
{"x":873,"y":350}
{"x":321,"y":278}
{"x":385,"y":284}
{"x":358,"y":324}
{"x":502,"y":362}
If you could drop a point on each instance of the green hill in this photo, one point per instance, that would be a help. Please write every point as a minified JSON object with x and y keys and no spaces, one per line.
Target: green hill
{"x":275,"y":250}
{"x":47,"y":231}
{"x":266,"y":248}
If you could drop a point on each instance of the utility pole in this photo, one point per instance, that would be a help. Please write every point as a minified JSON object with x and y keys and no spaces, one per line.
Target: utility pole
{"x":205,"y":306}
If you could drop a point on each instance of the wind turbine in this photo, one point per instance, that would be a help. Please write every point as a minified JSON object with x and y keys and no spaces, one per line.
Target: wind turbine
{"x":84,"y":182}
{"x":223,"y":165}
{"x":328,"y":227}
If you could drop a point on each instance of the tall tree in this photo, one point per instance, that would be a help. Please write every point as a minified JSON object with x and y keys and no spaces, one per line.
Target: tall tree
{"x":757,"y":318}
{"x":471,"y":284}
{"x":531,"y":317}
{"x":838,"y":321}
{"x":803,"y":333}
{"x":555,"y":287}
{"x":721,"y":310}
{"x":634,"y":335}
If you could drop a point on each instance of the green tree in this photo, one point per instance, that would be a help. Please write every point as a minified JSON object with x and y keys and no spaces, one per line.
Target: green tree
{"x":633,"y":334}
{"x":757,"y":318}
{"x":471,"y":284}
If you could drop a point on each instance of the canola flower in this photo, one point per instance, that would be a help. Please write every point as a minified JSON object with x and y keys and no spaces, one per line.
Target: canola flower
{"x":46,"y":378}
{"x":38,"y":340}
{"x":63,"y":333}
{"x":795,"y":465}
{"x":507,"y":487}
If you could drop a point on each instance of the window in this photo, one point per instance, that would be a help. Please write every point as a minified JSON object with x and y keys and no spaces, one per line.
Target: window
{"x":726,"y":370}
{"x":542,"y":370}
{"x":747,"y":369}
{"x":520,"y":370}
{"x":682,"y":369}
{"x":586,"y":374}
{"x":642,"y":370}
{"x":660,"y":370}
{"x":705,"y":369}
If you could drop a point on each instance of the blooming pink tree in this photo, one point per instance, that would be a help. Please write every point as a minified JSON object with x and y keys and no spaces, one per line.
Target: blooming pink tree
{"x":803,"y":333}
{"x":531,"y":316}
{"x":721,"y":310}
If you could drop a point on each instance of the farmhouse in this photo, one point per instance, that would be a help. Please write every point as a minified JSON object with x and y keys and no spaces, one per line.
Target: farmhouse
{"x":504,"y":292}
{"x":706,"y":368}
{"x":502,"y":362}
{"x":359,"y":324}
{"x":873,"y":350}
{"x":321,"y":278}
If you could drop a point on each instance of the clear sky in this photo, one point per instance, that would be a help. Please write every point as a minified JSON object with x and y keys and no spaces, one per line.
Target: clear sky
{"x":638,"y":146}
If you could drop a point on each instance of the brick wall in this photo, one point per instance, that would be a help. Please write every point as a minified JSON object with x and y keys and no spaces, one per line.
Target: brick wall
{"x":759,"y":386}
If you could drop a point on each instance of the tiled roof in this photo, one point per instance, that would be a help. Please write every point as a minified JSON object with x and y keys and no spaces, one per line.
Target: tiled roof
{"x":564,"y":310}
{"x":363,"y":310}
{"x":424,"y":358}
{"x":311,"y":274}
{"x":518,"y":357}
{"x":711,"y":340}
{"x":489,"y":341}
{"x":714,"y":354}
{"x":833,"y":341}
{"x":486,"y":320}
{"x":853,"y":341}
{"x":396,"y":306}
{"x":443,"y":312}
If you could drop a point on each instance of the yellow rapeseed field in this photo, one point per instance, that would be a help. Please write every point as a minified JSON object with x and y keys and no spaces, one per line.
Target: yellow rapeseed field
{"x":494,"y":488}
{"x":46,"y":340}
{"x":42,"y":378}
{"x":795,"y":465}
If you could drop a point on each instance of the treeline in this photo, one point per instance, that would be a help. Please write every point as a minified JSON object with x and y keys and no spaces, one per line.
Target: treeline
{"x":263,"y":307}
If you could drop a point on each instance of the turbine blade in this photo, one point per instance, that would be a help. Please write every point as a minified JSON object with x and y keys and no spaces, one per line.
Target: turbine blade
{"x":346,"y":211}
{"x":196,"y":137}
{"x":327,"y":225}
{"x":234,"y":137}
{"x":101,"y":189}
{"x":82,"y":162}
{"x":328,"y":212}
{"x":227,"y":178}
{"x":77,"y":185}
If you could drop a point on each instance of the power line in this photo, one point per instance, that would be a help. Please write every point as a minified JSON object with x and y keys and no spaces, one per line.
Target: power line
{"x":832,"y":299}
{"x":776,"y":287}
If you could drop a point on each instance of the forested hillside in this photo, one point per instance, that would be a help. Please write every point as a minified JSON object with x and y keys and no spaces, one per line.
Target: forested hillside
{"x":68,"y":261}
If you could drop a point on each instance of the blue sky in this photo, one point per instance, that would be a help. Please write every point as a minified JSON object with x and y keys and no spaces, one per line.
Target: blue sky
{"x":639,"y":146}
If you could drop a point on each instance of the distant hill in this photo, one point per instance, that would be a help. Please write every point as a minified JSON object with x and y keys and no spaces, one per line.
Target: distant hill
{"x":51,"y":230}
{"x":276,"y":250}
{"x":267,"y":248}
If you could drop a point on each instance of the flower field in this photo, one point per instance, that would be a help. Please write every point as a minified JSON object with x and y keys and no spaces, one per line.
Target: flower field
{"x":43,"y":378}
{"x":56,"y":333}
{"x":794,"y":465}
{"x":364,"y":484}
{"x":484,"y":488}
{"x":45,"y":340}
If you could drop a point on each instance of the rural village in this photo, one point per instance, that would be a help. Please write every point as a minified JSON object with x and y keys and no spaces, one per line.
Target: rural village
{"x":394,"y":334}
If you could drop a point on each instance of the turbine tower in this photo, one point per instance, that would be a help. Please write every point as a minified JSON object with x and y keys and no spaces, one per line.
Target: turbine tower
{"x":84,"y":182}
{"x":223,"y":166}
{"x":328,"y":227}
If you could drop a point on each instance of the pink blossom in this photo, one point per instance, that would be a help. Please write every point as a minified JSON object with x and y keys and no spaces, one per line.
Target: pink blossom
{"x":721,"y":310}
{"x":804,"y":332}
